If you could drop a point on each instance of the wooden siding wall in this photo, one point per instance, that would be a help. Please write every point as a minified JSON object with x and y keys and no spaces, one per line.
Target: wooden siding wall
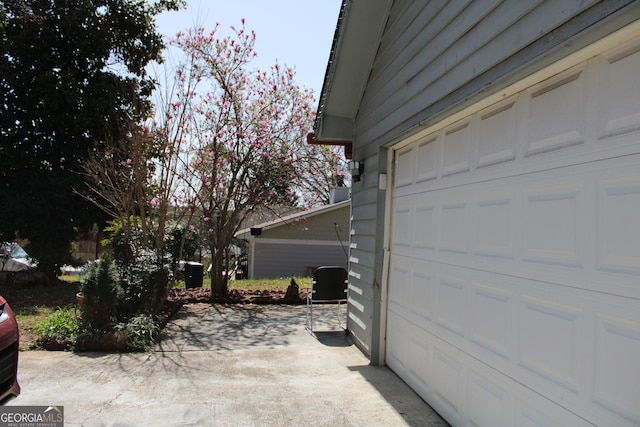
{"x":289,"y":259}
{"x":317,"y":227}
{"x":435,"y":56}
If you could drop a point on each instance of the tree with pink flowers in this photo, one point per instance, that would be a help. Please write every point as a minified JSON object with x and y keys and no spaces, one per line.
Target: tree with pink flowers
{"x":238,"y":134}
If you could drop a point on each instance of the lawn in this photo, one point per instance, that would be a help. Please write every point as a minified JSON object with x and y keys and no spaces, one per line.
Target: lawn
{"x":35,"y":303}
{"x":262,"y":284}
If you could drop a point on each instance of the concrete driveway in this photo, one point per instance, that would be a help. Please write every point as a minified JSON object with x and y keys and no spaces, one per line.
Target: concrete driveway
{"x":227,"y":366}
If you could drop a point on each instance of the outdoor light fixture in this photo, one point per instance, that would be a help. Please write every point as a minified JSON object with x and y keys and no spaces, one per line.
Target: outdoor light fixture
{"x":356,"y":168}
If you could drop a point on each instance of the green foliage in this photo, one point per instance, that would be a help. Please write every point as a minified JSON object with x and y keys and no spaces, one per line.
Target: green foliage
{"x":183,"y":242}
{"x":63,"y":325}
{"x":101,"y":292}
{"x":143,"y":272}
{"x":140,"y":332}
{"x":145,"y":283}
{"x":136,"y":334}
{"x":125,"y":240}
{"x":72,"y":73}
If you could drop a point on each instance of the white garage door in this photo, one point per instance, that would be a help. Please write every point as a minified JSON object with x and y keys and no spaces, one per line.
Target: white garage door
{"x":514,"y":273}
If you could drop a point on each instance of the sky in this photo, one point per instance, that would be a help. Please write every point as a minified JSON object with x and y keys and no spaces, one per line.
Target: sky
{"x":296,"y":33}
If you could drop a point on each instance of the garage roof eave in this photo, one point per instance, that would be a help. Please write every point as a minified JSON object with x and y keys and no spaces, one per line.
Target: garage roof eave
{"x":356,"y":40}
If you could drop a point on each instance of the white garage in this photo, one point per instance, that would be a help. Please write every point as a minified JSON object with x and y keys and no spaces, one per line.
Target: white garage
{"x":513,"y":291}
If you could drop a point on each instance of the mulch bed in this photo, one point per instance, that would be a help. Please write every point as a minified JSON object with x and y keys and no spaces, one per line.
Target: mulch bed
{"x":236,"y":296}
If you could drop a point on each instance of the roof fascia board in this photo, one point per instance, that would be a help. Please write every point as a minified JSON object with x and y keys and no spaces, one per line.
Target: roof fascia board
{"x":356,"y":41}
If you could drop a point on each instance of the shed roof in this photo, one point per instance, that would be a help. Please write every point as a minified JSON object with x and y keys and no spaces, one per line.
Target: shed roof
{"x":287,"y":220}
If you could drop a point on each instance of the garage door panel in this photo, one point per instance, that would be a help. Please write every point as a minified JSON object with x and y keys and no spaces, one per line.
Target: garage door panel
{"x":421,"y":296}
{"x":405,"y":166}
{"x":497,"y":133}
{"x":403,"y":224}
{"x":491,"y":323}
{"x":553,"y":225}
{"x":620,"y":92}
{"x":450,"y":303}
{"x":413,"y":360}
{"x":454,"y":229}
{"x":547,"y":345}
{"x":619,"y":202}
{"x":456,"y":143}
{"x":414,"y":297}
{"x":515,"y":254}
{"x":617,"y":378}
{"x":448,"y":378}
{"x":557,"y":112}
{"x":418,"y":361}
{"x":425,"y":233}
{"x":535,"y":411}
{"x":397,"y":348}
{"x":399,"y":297}
{"x":488,"y":403}
{"x":549,"y":341}
{"x":427,"y":156}
{"x":495,"y":226}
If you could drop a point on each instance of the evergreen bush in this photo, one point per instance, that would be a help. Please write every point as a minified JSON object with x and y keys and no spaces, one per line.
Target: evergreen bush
{"x":101,"y":293}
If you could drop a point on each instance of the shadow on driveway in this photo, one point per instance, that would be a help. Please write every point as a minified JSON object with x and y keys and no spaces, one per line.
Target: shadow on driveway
{"x":207,"y":327}
{"x":328,"y":350}
{"x":227,"y":366}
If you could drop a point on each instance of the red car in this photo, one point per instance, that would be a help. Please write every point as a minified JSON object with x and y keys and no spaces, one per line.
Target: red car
{"x":9,"y":348}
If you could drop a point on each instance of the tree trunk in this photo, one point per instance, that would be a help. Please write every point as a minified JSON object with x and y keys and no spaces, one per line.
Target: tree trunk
{"x":219,"y":280}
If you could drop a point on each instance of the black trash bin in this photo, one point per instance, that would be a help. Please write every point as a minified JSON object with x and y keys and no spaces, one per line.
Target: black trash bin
{"x":193,"y":274}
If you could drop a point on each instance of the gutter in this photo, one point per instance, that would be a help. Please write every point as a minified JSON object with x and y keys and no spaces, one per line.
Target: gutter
{"x":348,"y":145}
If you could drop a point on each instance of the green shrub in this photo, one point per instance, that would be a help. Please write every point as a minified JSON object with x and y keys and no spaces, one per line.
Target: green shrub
{"x":101,"y":293}
{"x":143,"y":270}
{"x":140,"y":332}
{"x":125,"y":239}
{"x":62,"y":325}
{"x":145,"y":283}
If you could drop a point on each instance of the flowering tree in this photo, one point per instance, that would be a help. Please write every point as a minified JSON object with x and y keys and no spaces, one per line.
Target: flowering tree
{"x":321,"y":168}
{"x":242,"y":136}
